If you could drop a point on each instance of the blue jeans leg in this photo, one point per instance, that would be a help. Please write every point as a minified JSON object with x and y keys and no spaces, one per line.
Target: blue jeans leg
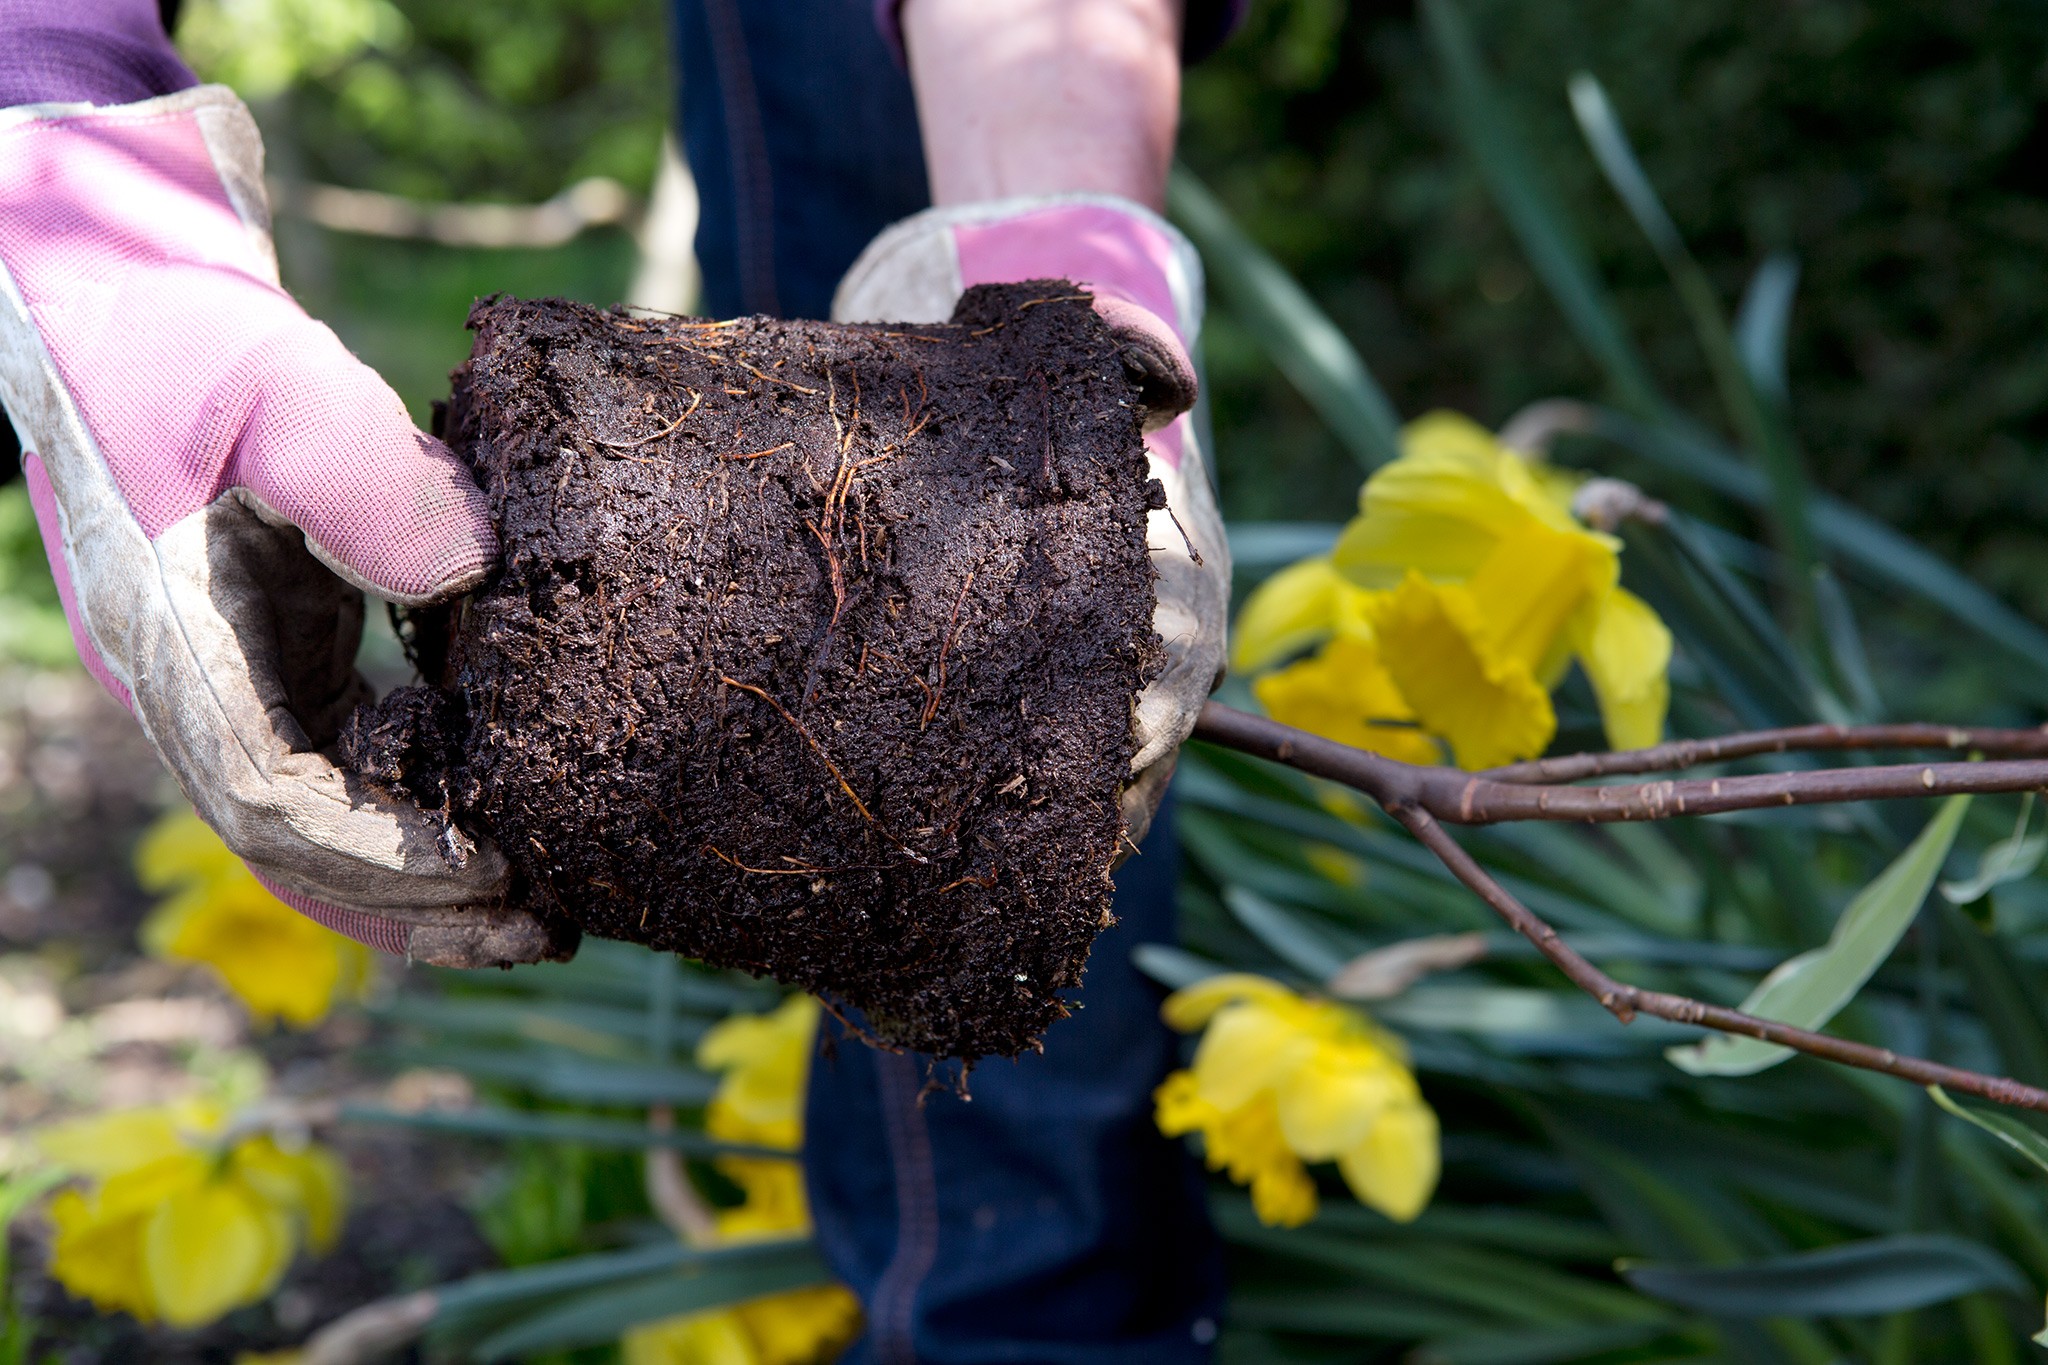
{"x":1043,"y":1220}
{"x":802,"y":135}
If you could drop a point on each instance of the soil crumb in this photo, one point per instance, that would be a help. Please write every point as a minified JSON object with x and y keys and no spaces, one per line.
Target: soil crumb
{"x":813,"y":649}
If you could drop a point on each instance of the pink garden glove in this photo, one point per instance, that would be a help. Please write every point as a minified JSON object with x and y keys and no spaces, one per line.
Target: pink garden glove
{"x":197,"y":449}
{"x":1147,"y":282}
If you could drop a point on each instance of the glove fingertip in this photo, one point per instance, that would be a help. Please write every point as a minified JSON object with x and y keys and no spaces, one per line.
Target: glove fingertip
{"x":330,"y":448}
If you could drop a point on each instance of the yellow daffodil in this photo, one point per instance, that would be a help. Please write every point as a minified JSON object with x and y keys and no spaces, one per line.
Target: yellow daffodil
{"x":794,"y":1328}
{"x":766,"y":1060}
{"x":783,"y":1329}
{"x":1342,"y":690}
{"x":1451,"y":607}
{"x":176,"y":1223}
{"x":1279,"y":1079}
{"x":1494,"y":588}
{"x":280,"y":964}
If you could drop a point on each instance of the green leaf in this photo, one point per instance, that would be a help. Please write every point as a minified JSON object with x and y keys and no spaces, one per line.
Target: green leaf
{"x":1524,"y":1020}
{"x":1882,"y":554}
{"x":1284,"y":934}
{"x":1760,"y":425}
{"x":1317,"y":358}
{"x":601,"y":1315}
{"x":599,"y":1030}
{"x":564,"y":1075}
{"x":1856,"y":1279}
{"x":1537,"y":1346}
{"x":1810,"y":989}
{"x":1764,"y":320}
{"x":2004,"y":1126}
{"x":1849,"y":660}
{"x":1554,"y":250}
{"x":497,"y":1288}
{"x":2005,"y":992}
{"x":514,"y":1124}
{"x":1258,"y":547}
{"x":2008,"y":860}
{"x":1173,"y":967}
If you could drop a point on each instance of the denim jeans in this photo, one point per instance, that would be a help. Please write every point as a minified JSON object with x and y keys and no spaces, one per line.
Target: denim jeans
{"x":1044,"y":1219}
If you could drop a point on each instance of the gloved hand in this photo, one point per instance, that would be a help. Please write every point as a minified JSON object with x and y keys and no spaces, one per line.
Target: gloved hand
{"x":1147,"y":283}
{"x":197,"y":449}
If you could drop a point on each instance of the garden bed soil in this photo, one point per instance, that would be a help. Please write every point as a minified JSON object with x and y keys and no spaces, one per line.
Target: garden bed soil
{"x":813,"y":648}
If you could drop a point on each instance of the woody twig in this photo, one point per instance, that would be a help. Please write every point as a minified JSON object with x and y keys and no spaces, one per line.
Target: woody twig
{"x":1424,"y":799}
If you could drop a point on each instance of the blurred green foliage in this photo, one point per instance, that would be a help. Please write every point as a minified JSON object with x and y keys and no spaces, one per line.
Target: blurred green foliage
{"x":1897,"y":149}
{"x":491,"y":99}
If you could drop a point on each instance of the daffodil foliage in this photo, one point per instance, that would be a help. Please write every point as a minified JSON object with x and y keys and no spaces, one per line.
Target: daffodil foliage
{"x":1450,"y":608}
{"x":278,"y":963}
{"x":1279,"y":1079}
{"x":763,"y":1061}
{"x":175,"y":1221}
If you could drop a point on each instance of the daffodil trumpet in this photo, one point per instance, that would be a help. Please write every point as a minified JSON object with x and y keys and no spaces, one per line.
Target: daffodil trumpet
{"x":1425,"y":797}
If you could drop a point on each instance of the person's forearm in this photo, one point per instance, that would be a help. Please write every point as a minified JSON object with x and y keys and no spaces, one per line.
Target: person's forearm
{"x":1045,"y":96}
{"x":95,"y":51}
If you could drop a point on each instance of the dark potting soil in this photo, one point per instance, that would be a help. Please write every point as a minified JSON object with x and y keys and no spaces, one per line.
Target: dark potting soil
{"x":813,"y":649}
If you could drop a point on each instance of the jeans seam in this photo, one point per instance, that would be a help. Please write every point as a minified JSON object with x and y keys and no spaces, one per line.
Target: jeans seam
{"x":747,"y":146}
{"x":917,"y":1212}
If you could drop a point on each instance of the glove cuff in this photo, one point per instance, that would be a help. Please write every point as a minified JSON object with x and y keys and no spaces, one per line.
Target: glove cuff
{"x":915,"y":269}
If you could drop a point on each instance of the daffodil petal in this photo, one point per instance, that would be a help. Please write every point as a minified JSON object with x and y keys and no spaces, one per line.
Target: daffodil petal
{"x":181,"y":850}
{"x":1192,"y":1006}
{"x":1292,"y":610}
{"x":1438,"y":510}
{"x":1394,"y":1167}
{"x":1537,"y":582}
{"x":1248,"y":1048}
{"x":211,"y":1249}
{"x":99,"y":1258}
{"x":108,"y":1144}
{"x":1343,"y":692}
{"x":1329,"y":1102}
{"x":1627,"y":658}
{"x":801,"y":1325}
{"x":714,"y":1338}
{"x":1491,"y":710}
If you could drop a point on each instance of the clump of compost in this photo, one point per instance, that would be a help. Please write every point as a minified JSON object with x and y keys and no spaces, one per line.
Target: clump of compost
{"x":813,"y":649}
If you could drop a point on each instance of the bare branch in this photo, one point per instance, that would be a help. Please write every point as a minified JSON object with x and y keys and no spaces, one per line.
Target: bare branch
{"x":1462,"y":798}
{"x":1625,"y":1001}
{"x":1693,"y":753}
{"x":1420,"y":798}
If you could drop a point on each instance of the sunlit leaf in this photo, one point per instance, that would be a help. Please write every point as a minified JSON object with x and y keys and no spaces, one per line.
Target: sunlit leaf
{"x":2008,"y":860}
{"x":1810,"y":989}
{"x":2008,"y":1129}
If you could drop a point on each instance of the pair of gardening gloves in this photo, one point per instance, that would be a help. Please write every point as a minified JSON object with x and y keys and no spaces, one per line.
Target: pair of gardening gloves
{"x":218,"y":482}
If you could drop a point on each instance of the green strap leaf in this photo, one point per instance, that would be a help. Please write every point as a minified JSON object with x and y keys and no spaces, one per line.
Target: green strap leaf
{"x":490,"y":1122}
{"x":2008,"y":860}
{"x":1882,"y":554}
{"x":1760,"y":424}
{"x":1763,"y":322}
{"x":600,"y":1315}
{"x":2007,"y":1128}
{"x":1317,"y":358}
{"x":1882,"y":1275}
{"x":1811,"y":989}
{"x":1554,"y":250}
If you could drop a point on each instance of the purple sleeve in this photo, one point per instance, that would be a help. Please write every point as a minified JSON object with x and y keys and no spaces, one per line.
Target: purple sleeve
{"x":96,"y":51}
{"x":1205,"y":27}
